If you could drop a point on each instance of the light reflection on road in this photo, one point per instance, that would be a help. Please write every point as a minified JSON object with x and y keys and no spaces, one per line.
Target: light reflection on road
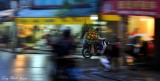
{"x":20,"y":61}
{"x":37,"y":60}
{"x":29,"y":67}
{"x":19,"y":67}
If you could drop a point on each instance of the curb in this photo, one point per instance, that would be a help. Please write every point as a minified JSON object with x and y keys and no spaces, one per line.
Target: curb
{"x":25,"y":52}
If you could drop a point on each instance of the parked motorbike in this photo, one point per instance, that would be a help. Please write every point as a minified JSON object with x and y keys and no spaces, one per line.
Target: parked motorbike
{"x":89,"y":49}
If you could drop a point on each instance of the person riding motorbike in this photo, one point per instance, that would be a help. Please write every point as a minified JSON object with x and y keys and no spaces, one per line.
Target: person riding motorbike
{"x":99,"y":43}
{"x":95,"y":40}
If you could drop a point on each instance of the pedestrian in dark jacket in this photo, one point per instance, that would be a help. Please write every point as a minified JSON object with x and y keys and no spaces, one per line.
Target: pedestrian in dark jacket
{"x":64,"y":63}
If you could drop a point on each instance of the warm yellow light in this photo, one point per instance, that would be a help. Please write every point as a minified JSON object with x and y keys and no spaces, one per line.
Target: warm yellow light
{"x":18,"y":69}
{"x":143,"y":19}
{"x":145,"y":24}
{"x":21,"y":57}
{"x":20,"y":61}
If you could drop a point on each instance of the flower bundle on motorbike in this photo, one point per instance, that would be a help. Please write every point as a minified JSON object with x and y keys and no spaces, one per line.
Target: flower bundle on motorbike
{"x":92,"y":36}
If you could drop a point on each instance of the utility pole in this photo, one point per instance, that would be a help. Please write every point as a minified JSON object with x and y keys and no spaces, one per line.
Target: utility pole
{"x":14,"y":36}
{"x":123,"y":28}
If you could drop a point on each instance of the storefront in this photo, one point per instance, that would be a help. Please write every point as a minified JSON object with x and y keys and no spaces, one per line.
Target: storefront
{"x":142,"y":26}
{"x":31,"y":30}
{"x":138,"y":19}
{"x":50,"y":16}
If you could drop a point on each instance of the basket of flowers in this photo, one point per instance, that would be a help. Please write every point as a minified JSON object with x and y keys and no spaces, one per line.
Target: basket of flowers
{"x":91,"y":36}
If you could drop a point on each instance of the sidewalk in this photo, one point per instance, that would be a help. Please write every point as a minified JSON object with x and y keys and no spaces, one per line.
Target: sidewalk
{"x":26,"y":51}
{"x":32,"y":51}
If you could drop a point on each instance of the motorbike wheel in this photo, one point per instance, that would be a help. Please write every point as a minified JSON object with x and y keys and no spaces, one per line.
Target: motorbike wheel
{"x":86,"y":53}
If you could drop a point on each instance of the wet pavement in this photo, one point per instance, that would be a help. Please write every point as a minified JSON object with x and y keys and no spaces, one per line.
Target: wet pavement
{"x":35,"y":67}
{"x":22,"y":67}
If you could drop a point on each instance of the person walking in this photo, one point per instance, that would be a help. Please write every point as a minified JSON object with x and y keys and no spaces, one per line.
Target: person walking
{"x":64,"y":63}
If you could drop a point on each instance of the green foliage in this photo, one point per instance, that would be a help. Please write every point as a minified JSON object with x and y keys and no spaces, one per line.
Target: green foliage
{"x":85,"y":28}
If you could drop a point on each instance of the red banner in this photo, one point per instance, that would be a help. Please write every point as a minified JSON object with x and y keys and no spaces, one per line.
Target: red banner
{"x":131,"y":7}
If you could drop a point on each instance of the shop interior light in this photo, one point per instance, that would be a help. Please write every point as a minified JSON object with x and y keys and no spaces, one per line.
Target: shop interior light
{"x":143,"y":19}
{"x":95,"y":22}
{"x":94,"y":17}
{"x":100,"y":22}
{"x":103,"y":23}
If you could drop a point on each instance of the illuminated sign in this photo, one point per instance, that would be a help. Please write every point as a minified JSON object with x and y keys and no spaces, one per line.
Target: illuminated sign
{"x":145,"y":5}
{"x":131,"y":7}
{"x":66,"y":20}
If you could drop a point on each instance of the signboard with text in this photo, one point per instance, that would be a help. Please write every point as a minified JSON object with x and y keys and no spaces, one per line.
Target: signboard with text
{"x":67,"y":20}
{"x":131,"y":7}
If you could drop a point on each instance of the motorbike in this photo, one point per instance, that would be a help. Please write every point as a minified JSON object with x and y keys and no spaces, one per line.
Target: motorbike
{"x":89,"y":50}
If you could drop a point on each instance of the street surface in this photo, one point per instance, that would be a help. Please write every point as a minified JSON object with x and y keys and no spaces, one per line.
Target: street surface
{"x":35,"y":67}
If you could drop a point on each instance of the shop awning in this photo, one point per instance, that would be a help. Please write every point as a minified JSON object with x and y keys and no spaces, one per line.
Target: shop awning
{"x":55,"y":12}
{"x":66,"y":20}
{"x":54,"y":16}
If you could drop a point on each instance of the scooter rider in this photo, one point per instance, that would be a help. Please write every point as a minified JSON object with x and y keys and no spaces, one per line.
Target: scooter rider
{"x":100,"y":44}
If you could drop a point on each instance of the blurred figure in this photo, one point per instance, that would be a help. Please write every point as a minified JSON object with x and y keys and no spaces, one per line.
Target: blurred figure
{"x":47,"y":38}
{"x":65,"y":44}
{"x":5,"y":39}
{"x":146,"y":51}
{"x":134,"y":32}
{"x":51,"y":37}
{"x":113,"y":52}
{"x":64,"y":64}
{"x":105,"y":62}
{"x":144,"y":48}
{"x":99,"y":43}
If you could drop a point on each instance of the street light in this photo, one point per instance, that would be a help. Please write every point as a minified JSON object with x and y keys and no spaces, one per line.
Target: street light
{"x":94,"y":17}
